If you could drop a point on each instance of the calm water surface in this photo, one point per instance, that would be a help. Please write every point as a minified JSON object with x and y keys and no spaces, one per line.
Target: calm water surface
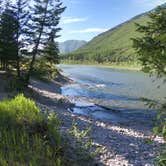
{"x":113,"y":88}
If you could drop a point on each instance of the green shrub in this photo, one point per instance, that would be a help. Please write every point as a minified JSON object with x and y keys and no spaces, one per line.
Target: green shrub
{"x":44,"y":71}
{"x":19,"y":109}
{"x":160,"y":128}
{"x":28,"y":137}
{"x":161,"y":158}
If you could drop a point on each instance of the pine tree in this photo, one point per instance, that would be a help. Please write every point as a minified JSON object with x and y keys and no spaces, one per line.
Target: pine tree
{"x":152,"y":46}
{"x":23,"y":17}
{"x":45,"y":18}
{"x":152,"y":51}
{"x":51,"y":51}
{"x":0,"y":28}
{"x":8,"y":33}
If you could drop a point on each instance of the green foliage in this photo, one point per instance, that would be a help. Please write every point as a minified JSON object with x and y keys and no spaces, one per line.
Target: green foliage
{"x":23,"y":25}
{"x":161,"y":159}
{"x":8,"y":32}
{"x":151,"y":48}
{"x":81,"y":135}
{"x":44,"y":70}
{"x":51,"y":51}
{"x":45,"y":18}
{"x":20,"y":109}
{"x":27,"y":136}
{"x":160,"y":128}
{"x":13,"y":34}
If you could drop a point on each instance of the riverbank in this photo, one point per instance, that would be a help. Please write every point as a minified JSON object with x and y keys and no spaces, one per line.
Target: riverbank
{"x":118,"y":144}
{"x":125,"y":66}
{"x":111,"y":144}
{"x":31,"y":133}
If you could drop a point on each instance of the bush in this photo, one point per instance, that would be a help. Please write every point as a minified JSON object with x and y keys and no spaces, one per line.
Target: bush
{"x":44,"y":71}
{"x":160,"y":128}
{"x":28,"y":137}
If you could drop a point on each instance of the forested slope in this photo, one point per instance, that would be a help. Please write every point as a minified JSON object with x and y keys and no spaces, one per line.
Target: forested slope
{"x":114,"y":45}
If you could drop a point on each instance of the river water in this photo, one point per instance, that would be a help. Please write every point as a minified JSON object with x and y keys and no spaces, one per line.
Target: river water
{"x":117,"y":89}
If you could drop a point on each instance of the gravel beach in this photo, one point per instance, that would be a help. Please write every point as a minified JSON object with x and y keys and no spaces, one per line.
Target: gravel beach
{"x":118,"y":144}
{"x":125,"y":143}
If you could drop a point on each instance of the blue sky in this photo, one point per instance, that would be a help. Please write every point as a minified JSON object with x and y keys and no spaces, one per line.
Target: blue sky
{"x":84,"y":19}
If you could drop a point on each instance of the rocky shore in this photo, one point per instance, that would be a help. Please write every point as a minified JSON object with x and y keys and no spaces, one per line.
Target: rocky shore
{"x":126,"y":143}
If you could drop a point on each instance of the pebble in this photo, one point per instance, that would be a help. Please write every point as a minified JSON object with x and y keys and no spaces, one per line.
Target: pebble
{"x":119,"y":146}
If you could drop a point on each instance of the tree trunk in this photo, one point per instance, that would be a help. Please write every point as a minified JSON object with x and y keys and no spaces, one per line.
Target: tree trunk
{"x":32,"y":63}
{"x":36,"y":47}
{"x":18,"y":67}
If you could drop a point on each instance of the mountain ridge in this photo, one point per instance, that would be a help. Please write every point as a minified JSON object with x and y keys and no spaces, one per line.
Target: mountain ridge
{"x":114,"y":45}
{"x":70,"y":45}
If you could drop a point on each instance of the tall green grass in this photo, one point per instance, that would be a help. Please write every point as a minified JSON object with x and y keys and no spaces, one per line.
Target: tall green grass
{"x":27,"y":136}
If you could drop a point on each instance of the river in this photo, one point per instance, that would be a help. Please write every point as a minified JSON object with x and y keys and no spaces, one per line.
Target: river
{"x":117,"y":89}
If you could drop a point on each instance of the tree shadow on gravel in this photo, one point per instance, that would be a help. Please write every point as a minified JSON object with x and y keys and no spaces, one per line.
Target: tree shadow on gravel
{"x":121,"y":142}
{"x":125,"y":144}
{"x":131,"y":148}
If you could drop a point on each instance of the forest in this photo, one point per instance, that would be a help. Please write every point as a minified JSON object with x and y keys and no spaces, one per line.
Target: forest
{"x":27,"y":34}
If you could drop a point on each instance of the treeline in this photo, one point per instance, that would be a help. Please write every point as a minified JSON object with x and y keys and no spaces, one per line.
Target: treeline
{"x":28,"y":30}
{"x":97,"y":56}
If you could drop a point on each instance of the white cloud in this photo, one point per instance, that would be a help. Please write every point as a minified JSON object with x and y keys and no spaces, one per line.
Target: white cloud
{"x":68,"y":20}
{"x":89,"y":30}
{"x":75,"y":2}
{"x":152,"y":3}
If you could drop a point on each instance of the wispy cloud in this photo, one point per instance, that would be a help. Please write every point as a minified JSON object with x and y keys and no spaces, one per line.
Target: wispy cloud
{"x":150,"y":2}
{"x":68,"y":20}
{"x":75,"y":2}
{"x":89,"y":30}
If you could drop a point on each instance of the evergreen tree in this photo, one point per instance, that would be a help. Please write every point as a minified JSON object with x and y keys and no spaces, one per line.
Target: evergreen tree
{"x":152,"y":46}
{"x":22,"y":16}
{"x":51,"y":51}
{"x":8,"y":40}
{"x":45,"y":18}
{"x":152,"y":51}
{"x":0,"y":27}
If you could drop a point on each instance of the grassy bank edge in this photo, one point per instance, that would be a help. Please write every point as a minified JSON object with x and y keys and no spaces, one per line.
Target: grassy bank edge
{"x":123,"y":66}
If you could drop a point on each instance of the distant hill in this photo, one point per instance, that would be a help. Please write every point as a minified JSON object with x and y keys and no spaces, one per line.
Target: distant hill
{"x":114,"y":45}
{"x":70,"y":45}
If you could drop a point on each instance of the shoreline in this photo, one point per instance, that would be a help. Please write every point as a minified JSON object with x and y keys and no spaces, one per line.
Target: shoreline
{"x":113,"y":66}
{"x":114,"y":141}
{"x":49,"y":93}
{"x":117,"y":144}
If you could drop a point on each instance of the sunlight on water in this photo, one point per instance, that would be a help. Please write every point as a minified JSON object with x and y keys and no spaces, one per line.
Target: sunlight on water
{"x":114,"y":88}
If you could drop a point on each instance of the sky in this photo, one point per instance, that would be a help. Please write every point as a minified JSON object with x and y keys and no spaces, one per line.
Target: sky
{"x":84,"y":19}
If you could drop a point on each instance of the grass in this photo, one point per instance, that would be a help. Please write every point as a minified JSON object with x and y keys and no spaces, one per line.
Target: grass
{"x":126,"y":66}
{"x":28,"y":137}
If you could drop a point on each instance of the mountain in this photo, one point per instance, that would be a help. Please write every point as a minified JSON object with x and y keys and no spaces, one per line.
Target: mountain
{"x":114,"y":45}
{"x":70,"y":45}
